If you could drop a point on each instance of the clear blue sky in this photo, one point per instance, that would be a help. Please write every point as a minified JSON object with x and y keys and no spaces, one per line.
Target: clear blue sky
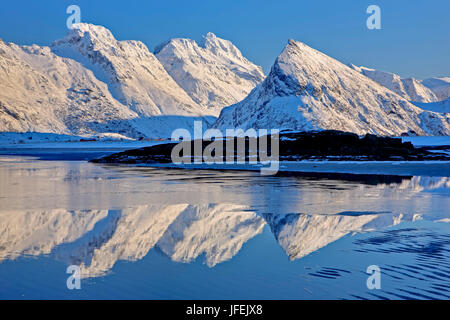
{"x":414,"y":39}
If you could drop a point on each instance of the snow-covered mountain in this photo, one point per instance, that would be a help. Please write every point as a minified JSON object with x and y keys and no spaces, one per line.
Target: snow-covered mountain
{"x":409,"y":88}
{"x":308,"y":90}
{"x":440,"y":86}
{"x":214,"y":74}
{"x":134,"y":75}
{"x":89,"y":82}
{"x":439,"y":106}
{"x":432,"y":94}
{"x":40,"y":91}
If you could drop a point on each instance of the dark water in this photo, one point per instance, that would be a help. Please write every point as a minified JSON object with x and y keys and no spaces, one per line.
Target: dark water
{"x":178,"y":234}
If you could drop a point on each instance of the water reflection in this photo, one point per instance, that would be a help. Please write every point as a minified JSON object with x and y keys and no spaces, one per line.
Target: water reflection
{"x":94,"y":216}
{"x":96,"y":240}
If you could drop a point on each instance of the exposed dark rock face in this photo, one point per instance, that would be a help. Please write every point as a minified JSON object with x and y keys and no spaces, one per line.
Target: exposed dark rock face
{"x":296,"y":146}
{"x":338,"y":145}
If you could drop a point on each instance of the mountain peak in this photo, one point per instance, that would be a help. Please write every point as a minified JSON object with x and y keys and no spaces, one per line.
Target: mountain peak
{"x":308,"y":90}
{"x":90,"y":31}
{"x":92,"y":28}
{"x":221,"y":46}
{"x":210,"y":35}
{"x":408,"y":88}
{"x":134,"y":75}
{"x":300,"y":67}
{"x":214,"y":73}
{"x":292,"y":42}
{"x":440,"y":86}
{"x":298,"y":45}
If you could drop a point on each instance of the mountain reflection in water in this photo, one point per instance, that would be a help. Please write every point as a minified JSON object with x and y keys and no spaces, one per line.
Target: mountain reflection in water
{"x":94,"y":216}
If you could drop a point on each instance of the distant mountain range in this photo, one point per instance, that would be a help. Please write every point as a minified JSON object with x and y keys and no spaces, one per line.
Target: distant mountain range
{"x":89,"y":83}
{"x":308,"y":90}
{"x":410,"y":88}
{"x":214,"y":74}
{"x":440,"y":87}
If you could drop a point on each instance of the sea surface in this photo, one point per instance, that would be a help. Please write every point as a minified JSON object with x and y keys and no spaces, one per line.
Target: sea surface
{"x":158,"y":233}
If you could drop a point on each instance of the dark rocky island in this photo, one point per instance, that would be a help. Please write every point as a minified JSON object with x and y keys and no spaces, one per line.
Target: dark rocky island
{"x":297,"y":146}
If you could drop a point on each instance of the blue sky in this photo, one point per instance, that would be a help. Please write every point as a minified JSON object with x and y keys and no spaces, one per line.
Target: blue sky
{"x":414,"y":39}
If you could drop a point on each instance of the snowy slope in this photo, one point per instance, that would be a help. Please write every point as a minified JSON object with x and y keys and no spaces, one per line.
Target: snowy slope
{"x":136,"y":78}
{"x":440,"y":86}
{"x":440,"y":106}
{"x":42,"y":92}
{"x":409,"y":88}
{"x":214,"y":74}
{"x":91,"y":83}
{"x":307,"y":90}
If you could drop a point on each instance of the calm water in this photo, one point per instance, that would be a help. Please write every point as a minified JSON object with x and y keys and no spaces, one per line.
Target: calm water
{"x":178,"y":234}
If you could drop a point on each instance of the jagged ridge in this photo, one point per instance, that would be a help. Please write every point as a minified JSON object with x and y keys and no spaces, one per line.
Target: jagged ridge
{"x":307,"y":90}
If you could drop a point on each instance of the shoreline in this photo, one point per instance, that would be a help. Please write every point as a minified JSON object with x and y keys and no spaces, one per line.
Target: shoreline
{"x":435,"y":168}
